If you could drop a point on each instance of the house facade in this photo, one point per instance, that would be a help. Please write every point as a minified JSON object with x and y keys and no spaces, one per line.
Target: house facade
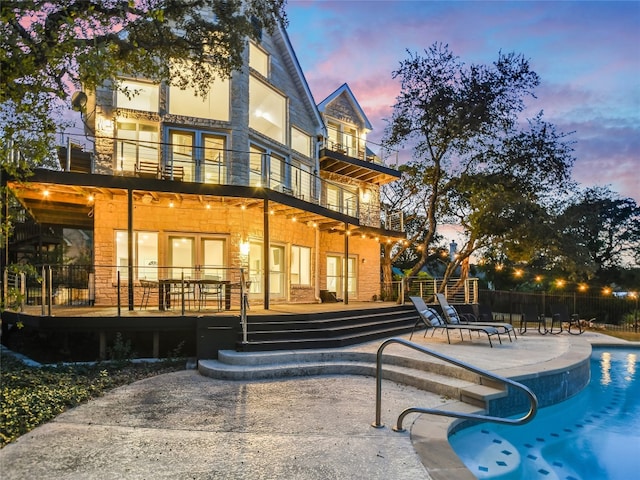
{"x":253,"y":183}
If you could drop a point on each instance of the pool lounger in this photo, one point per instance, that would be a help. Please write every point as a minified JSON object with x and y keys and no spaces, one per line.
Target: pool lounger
{"x":452,"y":317}
{"x":430,"y":319}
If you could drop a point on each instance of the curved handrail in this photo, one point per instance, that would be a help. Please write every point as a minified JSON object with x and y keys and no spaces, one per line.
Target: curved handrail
{"x":533,"y":400}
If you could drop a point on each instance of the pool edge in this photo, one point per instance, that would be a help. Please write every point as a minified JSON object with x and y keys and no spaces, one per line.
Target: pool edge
{"x":430,"y":434}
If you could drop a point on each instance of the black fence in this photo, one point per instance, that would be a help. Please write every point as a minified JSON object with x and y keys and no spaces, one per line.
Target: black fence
{"x":71,"y":285}
{"x":598,"y":309}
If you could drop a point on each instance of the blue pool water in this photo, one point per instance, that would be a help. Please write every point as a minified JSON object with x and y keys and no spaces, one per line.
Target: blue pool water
{"x":592,"y":436}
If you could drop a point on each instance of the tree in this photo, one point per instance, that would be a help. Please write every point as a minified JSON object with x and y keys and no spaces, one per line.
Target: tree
{"x":599,"y":230}
{"x":473,"y":163}
{"x":48,"y":49}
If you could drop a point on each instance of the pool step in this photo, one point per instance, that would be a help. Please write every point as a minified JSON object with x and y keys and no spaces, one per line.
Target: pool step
{"x":425,"y":374}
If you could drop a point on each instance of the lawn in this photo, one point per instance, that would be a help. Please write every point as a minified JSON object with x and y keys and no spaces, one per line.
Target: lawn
{"x":31,"y":396}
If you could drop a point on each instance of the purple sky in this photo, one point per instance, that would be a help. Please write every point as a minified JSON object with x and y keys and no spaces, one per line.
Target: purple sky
{"x":587,"y":54}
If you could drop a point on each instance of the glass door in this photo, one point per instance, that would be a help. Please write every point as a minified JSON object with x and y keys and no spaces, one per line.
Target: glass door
{"x":335,"y":275}
{"x":277,"y":270}
{"x":212,"y":259}
{"x":181,"y":257}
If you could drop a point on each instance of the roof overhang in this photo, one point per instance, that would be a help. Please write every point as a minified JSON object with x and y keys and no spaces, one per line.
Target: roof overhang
{"x":361,"y":170}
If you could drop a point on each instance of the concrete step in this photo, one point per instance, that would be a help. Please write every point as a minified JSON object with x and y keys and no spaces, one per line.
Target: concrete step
{"x":432,"y":376}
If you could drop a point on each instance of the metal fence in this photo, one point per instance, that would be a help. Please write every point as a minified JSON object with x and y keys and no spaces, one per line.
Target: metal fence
{"x":598,"y":309}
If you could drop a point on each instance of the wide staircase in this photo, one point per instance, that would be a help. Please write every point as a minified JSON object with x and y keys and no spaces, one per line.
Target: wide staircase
{"x":326,"y":329}
{"x":421,"y":372}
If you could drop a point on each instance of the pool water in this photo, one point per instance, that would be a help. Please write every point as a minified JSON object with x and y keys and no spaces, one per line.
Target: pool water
{"x":592,"y":436}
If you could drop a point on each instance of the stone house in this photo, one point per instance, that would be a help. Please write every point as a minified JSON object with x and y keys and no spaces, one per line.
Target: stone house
{"x":254,"y":183}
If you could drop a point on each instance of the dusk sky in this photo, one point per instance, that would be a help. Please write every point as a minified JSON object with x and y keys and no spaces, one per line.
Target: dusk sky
{"x":586,"y":53}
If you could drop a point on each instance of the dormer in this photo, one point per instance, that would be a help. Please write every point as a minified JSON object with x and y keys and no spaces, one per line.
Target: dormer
{"x":346,"y":150}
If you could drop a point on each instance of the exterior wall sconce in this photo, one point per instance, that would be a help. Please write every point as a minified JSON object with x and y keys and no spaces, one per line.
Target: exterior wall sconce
{"x":244,"y":248}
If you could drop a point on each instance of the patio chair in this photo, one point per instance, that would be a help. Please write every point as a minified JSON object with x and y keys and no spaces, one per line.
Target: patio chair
{"x":560,"y":316}
{"x":452,"y":317}
{"x":176,"y":293}
{"x":148,"y":286}
{"x":431,"y":319}
{"x":529,"y":314}
{"x":209,"y":288}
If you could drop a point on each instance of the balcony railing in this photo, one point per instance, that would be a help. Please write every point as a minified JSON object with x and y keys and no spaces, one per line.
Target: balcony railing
{"x":352,"y":145}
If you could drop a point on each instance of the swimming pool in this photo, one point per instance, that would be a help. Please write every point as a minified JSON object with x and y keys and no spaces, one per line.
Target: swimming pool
{"x":594,"y":435}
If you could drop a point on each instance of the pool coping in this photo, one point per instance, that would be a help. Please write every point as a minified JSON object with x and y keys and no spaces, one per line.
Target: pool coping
{"x":430,"y":433}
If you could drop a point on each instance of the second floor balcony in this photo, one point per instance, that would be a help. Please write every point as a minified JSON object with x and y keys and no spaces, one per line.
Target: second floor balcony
{"x":167,"y":166}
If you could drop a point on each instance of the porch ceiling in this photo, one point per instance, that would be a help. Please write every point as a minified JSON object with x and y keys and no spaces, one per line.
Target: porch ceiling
{"x":354,"y":168}
{"x":56,"y":204}
{"x":72,"y":206}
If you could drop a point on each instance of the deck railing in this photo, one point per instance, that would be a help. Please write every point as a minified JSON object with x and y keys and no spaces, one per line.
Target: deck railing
{"x":214,"y":166}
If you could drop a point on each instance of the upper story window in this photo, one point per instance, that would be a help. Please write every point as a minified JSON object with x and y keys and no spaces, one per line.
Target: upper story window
{"x":136,"y":142}
{"x":139,"y":96}
{"x":258,"y":60}
{"x":214,"y":106}
{"x":267,"y":110}
{"x":300,"y":141}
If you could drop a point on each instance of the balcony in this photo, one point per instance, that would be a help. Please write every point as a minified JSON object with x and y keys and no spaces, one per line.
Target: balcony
{"x":165,"y":170}
{"x":355,"y":158}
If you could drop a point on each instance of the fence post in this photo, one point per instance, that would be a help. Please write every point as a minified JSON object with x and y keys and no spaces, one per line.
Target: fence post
{"x":5,"y":284}
{"x":118,"y":292}
{"x":49,"y":289}
{"x":23,"y":290}
{"x":43,"y":291}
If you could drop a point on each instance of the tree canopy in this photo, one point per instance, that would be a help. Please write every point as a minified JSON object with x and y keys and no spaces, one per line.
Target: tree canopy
{"x":475,"y":162}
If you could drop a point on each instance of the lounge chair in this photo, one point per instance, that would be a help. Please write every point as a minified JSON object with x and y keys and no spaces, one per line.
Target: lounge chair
{"x":560,"y":316}
{"x":453,"y":318}
{"x":431,"y":319}
{"x":529,"y":314}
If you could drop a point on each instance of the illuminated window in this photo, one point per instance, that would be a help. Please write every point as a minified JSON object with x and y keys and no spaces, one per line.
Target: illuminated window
{"x":201,"y":155}
{"x":258,"y":60}
{"x":300,"y":265}
{"x":255,"y":166}
{"x":214,"y":106}
{"x":144,"y":96}
{"x":136,"y":142}
{"x":300,"y":141}
{"x":145,"y":255}
{"x":267,"y":110}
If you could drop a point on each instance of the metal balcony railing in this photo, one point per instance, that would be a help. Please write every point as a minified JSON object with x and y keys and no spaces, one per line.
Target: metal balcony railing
{"x":354,"y":145}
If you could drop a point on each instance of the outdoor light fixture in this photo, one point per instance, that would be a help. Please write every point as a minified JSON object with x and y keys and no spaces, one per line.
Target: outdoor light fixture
{"x":244,"y":248}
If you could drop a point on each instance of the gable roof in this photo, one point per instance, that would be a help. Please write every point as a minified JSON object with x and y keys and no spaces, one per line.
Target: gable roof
{"x":301,"y":78}
{"x":345,"y":90}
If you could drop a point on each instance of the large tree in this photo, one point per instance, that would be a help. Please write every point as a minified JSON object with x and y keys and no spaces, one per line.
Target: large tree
{"x":48,"y":49}
{"x":474,"y":163}
{"x":598,"y":230}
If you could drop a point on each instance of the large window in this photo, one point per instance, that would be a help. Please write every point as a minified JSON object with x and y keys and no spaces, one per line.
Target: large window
{"x":145,"y":255}
{"x":300,"y":141}
{"x":214,"y":106}
{"x":136,"y":142}
{"x":138,"y":96}
{"x":300,"y":265}
{"x":267,"y":110}
{"x":201,"y":155}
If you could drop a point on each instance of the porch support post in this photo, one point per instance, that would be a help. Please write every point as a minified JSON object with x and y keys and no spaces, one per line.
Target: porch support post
{"x":130,"y":246}
{"x":346,"y":264}
{"x":265,"y":254}
{"x":156,"y":344}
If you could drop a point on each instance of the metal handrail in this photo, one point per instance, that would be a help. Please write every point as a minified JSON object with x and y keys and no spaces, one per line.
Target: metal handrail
{"x":533,"y":400}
